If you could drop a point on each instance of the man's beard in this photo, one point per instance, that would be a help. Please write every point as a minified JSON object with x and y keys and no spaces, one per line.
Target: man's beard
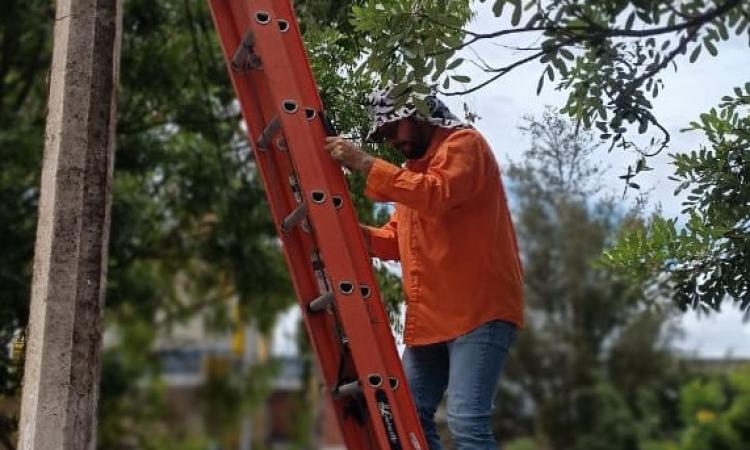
{"x":417,"y":153}
{"x":418,"y":150}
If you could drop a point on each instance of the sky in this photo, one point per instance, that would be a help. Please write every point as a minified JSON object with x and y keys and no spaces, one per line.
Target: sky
{"x":692,"y":90}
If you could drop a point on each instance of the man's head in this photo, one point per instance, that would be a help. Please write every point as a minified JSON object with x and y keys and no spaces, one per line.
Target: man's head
{"x":409,"y":136}
{"x":406,"y":128}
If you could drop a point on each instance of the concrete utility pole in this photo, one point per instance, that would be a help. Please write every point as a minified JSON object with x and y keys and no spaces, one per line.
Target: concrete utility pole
{"x":61,"y":383}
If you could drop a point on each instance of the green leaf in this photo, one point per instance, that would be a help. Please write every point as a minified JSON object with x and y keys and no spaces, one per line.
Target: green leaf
{"x":440,"y":61}
{"x":723,"y":30}
{"x":422,"y":106}
{"x":421,"y":88}
{"x":710,"y":47}
{"x":567,"y":54}
{"x":516,"y":18}
{"x":400,"y":89}
{"x":640,"y":165}
{"x":643,"y":126}
{"x":540,"y":84}
{"x":629,"y":22}
{"x":741,"y":26}
{"x":696,"y":52}
{"x":461,"y":78}
{"x":497,"y":8}
{"x":455,"y":63}
{"x":560,"y":65}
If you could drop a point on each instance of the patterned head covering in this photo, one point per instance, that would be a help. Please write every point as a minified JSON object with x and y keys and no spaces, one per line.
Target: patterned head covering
{"x":382,"y":109}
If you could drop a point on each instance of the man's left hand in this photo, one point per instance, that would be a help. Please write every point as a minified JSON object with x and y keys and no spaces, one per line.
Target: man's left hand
{"x":348,"y":154}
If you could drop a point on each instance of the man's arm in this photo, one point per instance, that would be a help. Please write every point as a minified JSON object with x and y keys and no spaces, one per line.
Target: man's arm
{"x":452,"y":177}
{"x":383,"y":242}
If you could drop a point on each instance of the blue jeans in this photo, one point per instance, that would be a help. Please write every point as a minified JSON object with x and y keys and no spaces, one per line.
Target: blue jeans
{"x":469,"y":368}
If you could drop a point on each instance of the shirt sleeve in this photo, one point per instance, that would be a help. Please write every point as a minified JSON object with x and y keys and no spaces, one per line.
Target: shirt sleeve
{"x":453,"y":174}
{"x":384,"y":240}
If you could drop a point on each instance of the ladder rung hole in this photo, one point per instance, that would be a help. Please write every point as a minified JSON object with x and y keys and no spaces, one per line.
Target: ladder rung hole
{"x":262,"y":17}
{"x":318,"y":196}
{"x":365,"y":291}
{"x":393,"y":382}
{"x":338,"y":201}
{"x":290,"y":106}
{"x":310,"y":113}
{"x":375,"y":381}
{"x":346,"y":287}
{"x":283,"y":26}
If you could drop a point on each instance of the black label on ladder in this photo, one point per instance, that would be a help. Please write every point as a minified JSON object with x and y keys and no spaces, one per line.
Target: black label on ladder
{"x":385,"y":413}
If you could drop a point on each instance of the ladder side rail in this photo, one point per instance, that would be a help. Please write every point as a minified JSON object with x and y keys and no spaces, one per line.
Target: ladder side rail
{"x":319,"y":327}
{"x":306,"y":155}
{"x":401,"y":402}
{"x":313,"y":166}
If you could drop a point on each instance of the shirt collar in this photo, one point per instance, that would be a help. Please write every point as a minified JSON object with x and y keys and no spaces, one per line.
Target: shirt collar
{"x":438,"y":137}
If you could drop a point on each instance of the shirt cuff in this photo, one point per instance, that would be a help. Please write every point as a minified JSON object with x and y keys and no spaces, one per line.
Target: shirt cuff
{"x":380,"y":179}
{"x":384,"y":243}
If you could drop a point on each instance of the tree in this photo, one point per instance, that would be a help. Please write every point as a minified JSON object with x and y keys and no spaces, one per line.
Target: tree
{"x":716,"y":411}
{"x":608,"y":57}
{"x":186,"y":203}
{"x":709,"y":259}
{"x":191,"y":202}
{"x":24,"y":58}
{"x":606,"y":54}
{"x":590,"y":352}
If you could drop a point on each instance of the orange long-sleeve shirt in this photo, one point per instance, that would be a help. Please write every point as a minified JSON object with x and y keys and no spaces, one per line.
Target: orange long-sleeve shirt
{"x":453,"y":234}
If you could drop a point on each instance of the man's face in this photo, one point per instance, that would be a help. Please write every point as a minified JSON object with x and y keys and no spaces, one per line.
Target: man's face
{"x":406,"y":136}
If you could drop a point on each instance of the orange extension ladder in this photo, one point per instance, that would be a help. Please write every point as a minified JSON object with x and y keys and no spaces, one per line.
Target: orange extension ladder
{"x":324,"y":248}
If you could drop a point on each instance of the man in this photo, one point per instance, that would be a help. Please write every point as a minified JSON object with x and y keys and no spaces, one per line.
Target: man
{"x":462,"y":278}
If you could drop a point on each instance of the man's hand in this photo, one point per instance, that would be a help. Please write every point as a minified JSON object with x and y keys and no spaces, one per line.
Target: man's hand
{"x":348,"y":154}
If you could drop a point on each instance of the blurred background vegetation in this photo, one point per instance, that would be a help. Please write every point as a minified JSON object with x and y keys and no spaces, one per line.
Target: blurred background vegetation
{"x":197,"y":281}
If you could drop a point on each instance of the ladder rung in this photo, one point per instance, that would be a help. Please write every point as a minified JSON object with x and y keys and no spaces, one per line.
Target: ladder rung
{"x":294,"y":218}
{"x":268,"y":133}
{"x":347,"y":389}
{"x":321,"y":303}
{"x":244,"y":57}
{"x":317,"y":263}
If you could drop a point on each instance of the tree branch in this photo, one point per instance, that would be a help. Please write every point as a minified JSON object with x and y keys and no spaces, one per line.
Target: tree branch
{"x":680,"y":49}
{"x":592,"y":31}
{"x":504,"y":70}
